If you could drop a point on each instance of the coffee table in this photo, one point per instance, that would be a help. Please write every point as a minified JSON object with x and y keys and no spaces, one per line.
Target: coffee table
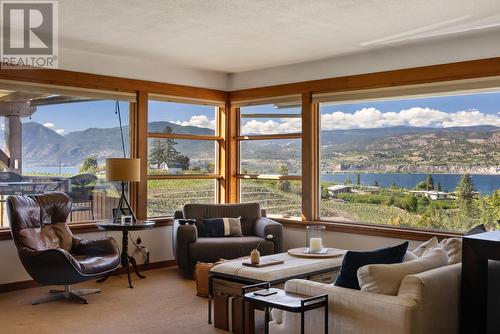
{"x":293,"y":267}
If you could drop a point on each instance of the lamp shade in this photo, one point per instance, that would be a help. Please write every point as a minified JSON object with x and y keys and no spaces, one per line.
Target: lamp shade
{"x":123,"y":169}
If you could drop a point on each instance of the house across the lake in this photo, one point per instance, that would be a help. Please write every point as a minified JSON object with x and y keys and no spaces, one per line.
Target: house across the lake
{"x":171,"y":168}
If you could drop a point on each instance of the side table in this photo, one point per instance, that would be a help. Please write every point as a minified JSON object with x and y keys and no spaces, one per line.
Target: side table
{"x":126,"y":259}
{"x":285,"y":301}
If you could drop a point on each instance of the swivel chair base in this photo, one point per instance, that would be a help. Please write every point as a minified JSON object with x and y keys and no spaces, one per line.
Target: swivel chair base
{"x":67,"y":293}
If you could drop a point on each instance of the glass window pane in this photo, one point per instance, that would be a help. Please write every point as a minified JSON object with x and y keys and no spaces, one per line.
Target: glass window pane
{"x":277,"y":156}
{"x":281,"y":198}
{"x":65,"y":142}
{"x":167,"y":196}
{"x":290,"y":122}
{"x":423,"y":163}
{"x":181,"y":156}
{"x":181,"y":118}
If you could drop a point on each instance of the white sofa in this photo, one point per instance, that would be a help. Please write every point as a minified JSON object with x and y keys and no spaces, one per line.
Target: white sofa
{"x":426,"y":303}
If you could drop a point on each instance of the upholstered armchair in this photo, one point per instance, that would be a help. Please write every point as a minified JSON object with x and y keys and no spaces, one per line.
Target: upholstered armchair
{"x":48,"y":250}
{"x":258,"y":231}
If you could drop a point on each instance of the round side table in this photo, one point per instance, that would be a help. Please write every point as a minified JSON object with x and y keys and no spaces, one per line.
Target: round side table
{"x":126,"y":259}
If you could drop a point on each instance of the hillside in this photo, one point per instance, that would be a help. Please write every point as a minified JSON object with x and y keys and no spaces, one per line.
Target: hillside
{"x":382,"y":148}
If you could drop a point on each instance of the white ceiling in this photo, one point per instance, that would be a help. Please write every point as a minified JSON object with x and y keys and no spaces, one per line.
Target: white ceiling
{"x":232,"y":36}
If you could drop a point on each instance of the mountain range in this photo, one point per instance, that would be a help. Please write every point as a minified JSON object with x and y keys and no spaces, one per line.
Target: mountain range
{"x":42,"y":146}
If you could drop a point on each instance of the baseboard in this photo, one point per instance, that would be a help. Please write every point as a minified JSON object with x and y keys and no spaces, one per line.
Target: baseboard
{"x":32,"y":284}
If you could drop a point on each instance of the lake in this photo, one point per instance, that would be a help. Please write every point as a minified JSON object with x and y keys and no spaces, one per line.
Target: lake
{"x":485,"y":184}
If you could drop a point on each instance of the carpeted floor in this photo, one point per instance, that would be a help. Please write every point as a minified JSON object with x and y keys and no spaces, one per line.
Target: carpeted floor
{"x":162,"y":303}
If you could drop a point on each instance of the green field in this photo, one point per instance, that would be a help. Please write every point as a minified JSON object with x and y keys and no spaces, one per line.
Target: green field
{"x":392,"y":206}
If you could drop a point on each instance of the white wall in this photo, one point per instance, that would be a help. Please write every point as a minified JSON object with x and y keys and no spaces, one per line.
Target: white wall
{"x":296,"y":237}
{"x":158,"y":241}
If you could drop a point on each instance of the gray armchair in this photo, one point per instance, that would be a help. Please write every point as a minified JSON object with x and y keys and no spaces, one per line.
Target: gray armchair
{"x":190,"y":247}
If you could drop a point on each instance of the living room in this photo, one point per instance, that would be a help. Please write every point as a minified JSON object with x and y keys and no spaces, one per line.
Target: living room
{"x":263,"y":166}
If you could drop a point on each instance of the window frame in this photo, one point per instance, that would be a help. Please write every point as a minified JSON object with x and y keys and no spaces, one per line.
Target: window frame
{"x":217,"y":139}
{"x":239,"y":138}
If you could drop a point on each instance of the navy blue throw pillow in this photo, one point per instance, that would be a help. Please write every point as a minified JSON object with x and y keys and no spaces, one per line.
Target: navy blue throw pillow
{"x":348,"y":277}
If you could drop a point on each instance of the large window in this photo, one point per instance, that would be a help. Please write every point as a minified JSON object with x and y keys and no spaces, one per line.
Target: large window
{"x":269,"y":169}
{"x":183,"y":147}
{"x":56,"y":140}
{"x":429,"y":162}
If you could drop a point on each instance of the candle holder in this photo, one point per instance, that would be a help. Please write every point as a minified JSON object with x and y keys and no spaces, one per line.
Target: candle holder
{"x":315,"y":239}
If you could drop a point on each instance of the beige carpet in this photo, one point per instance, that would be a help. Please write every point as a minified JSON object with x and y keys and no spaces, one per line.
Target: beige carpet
{"x":162,"y":303}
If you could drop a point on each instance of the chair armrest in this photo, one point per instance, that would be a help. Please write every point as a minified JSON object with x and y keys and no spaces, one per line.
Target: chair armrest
{"x":94,"y":247}
{"x":350,"y":311}
{"x":265,"y":227}
{"x":182,"y":236}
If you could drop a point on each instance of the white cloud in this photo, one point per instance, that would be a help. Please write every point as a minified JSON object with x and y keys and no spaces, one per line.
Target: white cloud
{"x":60,"y":131}
{"x":373,"y":118}
{"x":201,"y":121}
{"x":48,"y":125}
{"x":272,"y":126}
{"x":416,"y":117}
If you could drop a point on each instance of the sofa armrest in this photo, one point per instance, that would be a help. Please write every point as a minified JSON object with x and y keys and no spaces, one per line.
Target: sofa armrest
{"x":437,"y":293}
{"x":350,"y":311}
{"x":265,"y":227}
{"x":182,"y":236}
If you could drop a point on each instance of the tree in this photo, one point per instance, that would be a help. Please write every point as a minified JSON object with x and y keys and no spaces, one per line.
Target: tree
{"x":284,"y":186}
{"x":89,"y":165}
{"x":429,"y":182}
{"x":358,"y":179}
{"x":163,"y":151}
{"x":465,"y":194}
{"x":439,"y":187}
{"x":347,"y":180}
{"x":182,"y":160}
{"x":375,"y":183}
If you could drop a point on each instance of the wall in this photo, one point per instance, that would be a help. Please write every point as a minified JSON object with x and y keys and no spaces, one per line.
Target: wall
{"x":159,"y":242}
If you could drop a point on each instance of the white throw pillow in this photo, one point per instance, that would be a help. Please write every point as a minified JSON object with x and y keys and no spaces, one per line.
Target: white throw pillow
{"x":386,"y":278}
{"x":409,"y":256}
{"x":426,"y":246}
{"x":452,"y":246}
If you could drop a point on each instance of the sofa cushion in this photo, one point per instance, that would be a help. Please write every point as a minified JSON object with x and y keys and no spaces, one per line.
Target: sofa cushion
{"x":214,"y":249}
{"x":453,"y":247}
{"x":249,"y":213}
{"x":223,"y":227}
{"x":354,"y":260}
{"x":425,"y":246}
{"x":386,"y":278}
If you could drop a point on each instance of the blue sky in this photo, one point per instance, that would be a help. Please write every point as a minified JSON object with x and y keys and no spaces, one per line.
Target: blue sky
{"x":460,"y":110}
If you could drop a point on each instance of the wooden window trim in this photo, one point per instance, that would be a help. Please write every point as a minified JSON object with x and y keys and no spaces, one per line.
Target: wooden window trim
{"x":185,"y":177}
{"x":89,"y":227}
{"x":372,"y":230}
{"x":269,"y":177}
{"x":270,"y":116}
{"x":161,"y":135}
{"x":271,"y":137}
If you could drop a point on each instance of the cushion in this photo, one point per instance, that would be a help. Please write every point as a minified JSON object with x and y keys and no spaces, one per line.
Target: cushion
{"x":386,"y":278}
{"x":409,"y":256}
{"x":249,"y":213}
{"x":425,"y":246}
{"x":223,"y":227}
{"x":476,"y":230}
{"x":453,"y":247}
{"x":348,"y":278}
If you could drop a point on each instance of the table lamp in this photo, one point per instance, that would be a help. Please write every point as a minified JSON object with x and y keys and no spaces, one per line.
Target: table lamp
{"x":123,"y":170}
